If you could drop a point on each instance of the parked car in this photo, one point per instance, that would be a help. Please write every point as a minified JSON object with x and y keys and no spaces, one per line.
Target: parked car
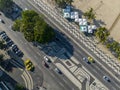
{"x":20,"y":54}
{"x":10,"y":43}
{"x":2,"y":32}
{"x":58,"y":71}
{"x":14,"y":48}
{"x":7,"y":39}
{"x":3,"y":35}
{"x":106,"y":78}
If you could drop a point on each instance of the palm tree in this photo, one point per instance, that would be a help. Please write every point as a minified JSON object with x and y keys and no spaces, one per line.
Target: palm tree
{"x":114,"y":45}
{"x":90,"y":14}
{"x":102,"y":34}
{"x":68,"y":2}
{"x":108,"y":45}
{"x":2,"y":45}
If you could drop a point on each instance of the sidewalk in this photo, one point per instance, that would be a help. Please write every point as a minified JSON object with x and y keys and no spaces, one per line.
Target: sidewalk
{"x":69,"y":75}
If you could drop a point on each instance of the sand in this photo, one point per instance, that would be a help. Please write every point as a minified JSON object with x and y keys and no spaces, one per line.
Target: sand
{"x":106,"y":11}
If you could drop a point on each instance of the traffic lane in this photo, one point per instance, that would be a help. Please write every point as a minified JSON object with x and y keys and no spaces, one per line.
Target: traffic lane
{"x":84,"y":54}
{"x":94,"y":70}
{"x":95,"y":55}
{"x":95,"y":66}
{"x":62,"y":76}
{"x":53,"y":80}
{"x":65,"y":81}
{"x":83,"y":45}
{"x":27,"y":49}
{"x":98,"y":69}
{"x":98,"y":74}
{"x":32,"y":55}
{"x":79,"y":54}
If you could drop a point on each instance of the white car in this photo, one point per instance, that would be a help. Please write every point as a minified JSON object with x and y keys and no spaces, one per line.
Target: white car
{"x":58,"y":71}
{"x":47,"y":59}
{"x":1,"y":21}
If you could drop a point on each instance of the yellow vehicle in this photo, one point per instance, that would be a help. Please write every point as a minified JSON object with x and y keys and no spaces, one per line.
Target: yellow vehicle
{"x":29,"y":65}
{"x":27,"y":62}
{"x":90,"y":59}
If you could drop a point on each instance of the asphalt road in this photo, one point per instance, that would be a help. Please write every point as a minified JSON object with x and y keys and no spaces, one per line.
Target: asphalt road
{"x":95,"y":69}
{"x":51,"y":79}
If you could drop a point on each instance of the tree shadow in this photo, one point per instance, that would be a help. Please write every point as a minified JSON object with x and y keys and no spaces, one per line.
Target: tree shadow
{"x":58,"y":47}
{"x":9,"y":65}
{"x":13,"y":13}
{"x":8,"y":81}
{"x":99,"y":23}
{"x":13,"y":62}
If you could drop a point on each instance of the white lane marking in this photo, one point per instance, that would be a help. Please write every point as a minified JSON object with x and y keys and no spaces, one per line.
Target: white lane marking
{"x":61,"y":84}
{"x":30,"y":79}
{"x":24,"y":80}
{"x":64,"y":80}
{"x":38,"y":53}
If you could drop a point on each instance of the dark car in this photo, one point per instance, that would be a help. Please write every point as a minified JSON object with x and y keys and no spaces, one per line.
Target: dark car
{"x":2,"y":32}
{"x":20,"y":54}
{"x":15,"y":48}
{"x":46,"y":65}
{"x":106,"y":78}
{"x":5,"y":37}
{"x":10,"y":43}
